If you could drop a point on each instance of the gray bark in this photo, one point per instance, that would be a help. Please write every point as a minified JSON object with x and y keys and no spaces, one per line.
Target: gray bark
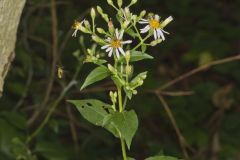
{"x":10,"y":13}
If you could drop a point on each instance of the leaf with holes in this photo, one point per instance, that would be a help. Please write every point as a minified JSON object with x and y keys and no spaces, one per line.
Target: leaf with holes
{"x":126,"y":123}
{"x":94,"y":111}
{"x":96,"y":75}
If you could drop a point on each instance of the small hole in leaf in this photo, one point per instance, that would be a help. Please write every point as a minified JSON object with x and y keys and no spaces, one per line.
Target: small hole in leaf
{"x":89,"y":104}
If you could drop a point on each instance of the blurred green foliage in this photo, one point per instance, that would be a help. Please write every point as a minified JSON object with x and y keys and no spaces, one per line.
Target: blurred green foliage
{"x":202,"y":31}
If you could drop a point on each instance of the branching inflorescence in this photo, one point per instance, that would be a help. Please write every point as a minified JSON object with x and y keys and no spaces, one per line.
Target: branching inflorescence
{"x":125,"y":43}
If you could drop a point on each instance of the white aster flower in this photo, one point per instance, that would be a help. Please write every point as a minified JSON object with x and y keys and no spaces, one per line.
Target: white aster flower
{"x":156,"y":25}
{"x":115,"y":44}
{"x":77,"y":27}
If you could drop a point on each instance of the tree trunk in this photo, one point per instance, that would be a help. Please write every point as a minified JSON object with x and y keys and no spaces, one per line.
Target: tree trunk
{"x":10,"y":13}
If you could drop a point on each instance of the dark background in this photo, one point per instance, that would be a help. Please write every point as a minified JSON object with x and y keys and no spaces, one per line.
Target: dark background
{"x":202,"y":31}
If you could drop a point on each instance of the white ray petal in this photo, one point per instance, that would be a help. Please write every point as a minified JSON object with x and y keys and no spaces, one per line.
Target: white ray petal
{"x":158,"y":33}
{"x":155,"y":35}
{"x":117,"y":34}
{"x":126,"y":42}
{"x":161,"y":34}
{"x":108,"y":39}
{"x":105,"y":46}
{"x":164,"y":31}
{"x":117,"y":53}
{"x":157,"y":17}
{"x":74,"y":33}
{"x":110,"y":52}
{"x":144,"y":20}
{"x":109,"y":48}
{"x":121,"y":34}
{"x":122,"y":51}
{"x":146,"y":29}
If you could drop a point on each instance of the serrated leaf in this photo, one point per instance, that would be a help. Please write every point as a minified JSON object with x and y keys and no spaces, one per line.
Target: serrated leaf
{"x":161,"y":158}
{"x":126,"y":123}
{"x":96,"y":75}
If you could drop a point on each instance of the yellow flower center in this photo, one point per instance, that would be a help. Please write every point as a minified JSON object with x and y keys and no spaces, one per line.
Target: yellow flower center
{"x":154,"y":24}
{"x":115,"y":43}
{"x":76,"y":25}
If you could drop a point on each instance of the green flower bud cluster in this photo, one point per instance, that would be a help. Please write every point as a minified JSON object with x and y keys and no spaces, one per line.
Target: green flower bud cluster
{"x":130,"y":88}
{"x":113,"y":96}
{"x":104,"y":15}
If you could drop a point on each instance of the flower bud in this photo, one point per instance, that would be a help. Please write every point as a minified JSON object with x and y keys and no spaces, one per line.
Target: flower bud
{"x":87,"y":24}
{"x":134,"y":18}
{"x":110,"y":2}
{"x":143,"y":13}
{"x":98,"y":39}
{"x":133,"y":2}
{"x":93,"y":13}
{"x":125,"y":24}
{"x":140,"y":82}
{"x":111,"y":27}
{"x":115,"y":95}
{"x":84,"y":29}
{"x":144,"y":77}
{"x":89,"y":51}
{"x":119,"y":2}
{"x":156,"y":42}
{"x":129,"y":70}
{"x":128,"y":56}
{"x":135,"y":92}
{"x":166,"y":21}
{"x":101,"y":31}
{"x":127,"y":12}
{"x":111,"y":68}
{"x":99,"y":9}
{"x":76,"y":53}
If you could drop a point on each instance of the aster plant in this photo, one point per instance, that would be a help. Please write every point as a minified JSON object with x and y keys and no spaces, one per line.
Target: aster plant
{"x":115,"y":48}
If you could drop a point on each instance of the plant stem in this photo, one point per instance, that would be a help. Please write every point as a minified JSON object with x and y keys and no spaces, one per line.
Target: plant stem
{"x":141,"y":42}
{"x":119,"y":89}
{"x":123,"y":149}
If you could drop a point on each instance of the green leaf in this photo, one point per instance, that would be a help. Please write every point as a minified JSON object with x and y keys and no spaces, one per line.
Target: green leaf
{"x":54,"y":151}
{"x":161,"y":158}
{"x":132,"y":33}
{"x":138,"y":56}
{"x":97,"y":74}
{"x":15,"y":119}
{"x":7,"y":133}
{"x":94,"y":111}
{"x":126,"y":123}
